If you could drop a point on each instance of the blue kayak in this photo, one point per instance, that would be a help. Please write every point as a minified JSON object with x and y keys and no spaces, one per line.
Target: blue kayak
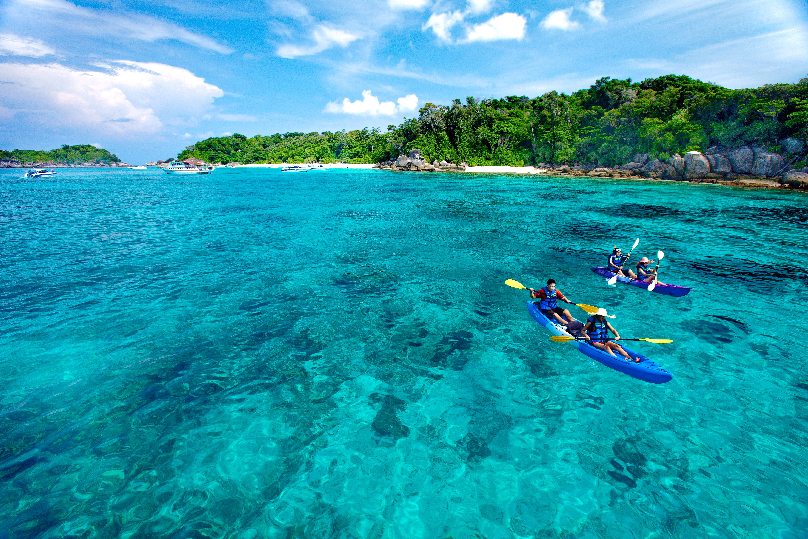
{"x":644,"y":370}
{"x":667,"y":289}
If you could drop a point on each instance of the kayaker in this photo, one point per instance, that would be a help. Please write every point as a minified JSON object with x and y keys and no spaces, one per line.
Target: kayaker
{"x":549,"y":296}
{"x":645,"y":273}
{"x":616,"y":261}
{"x":596,"y":331}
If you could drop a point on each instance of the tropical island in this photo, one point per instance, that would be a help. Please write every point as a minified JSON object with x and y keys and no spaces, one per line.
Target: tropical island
{"x":85,"y":155}
{"x":669,"y":127}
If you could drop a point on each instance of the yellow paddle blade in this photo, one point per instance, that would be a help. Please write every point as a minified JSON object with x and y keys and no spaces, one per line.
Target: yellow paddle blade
{"x":562,"y":338}
{"x":657,"y":341}
{"x":515,"y":284}
{"x":590,"y":309}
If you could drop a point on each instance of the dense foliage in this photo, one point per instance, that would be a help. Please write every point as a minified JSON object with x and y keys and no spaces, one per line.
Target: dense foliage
{"x":66,"y":155}
{"x":606,"y":124}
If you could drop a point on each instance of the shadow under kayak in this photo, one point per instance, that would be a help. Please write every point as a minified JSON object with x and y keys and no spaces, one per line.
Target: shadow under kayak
{"x":667,"y":289}
{"x":645,"y":370}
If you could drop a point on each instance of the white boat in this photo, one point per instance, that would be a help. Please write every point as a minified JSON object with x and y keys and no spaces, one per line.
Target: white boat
{"x":138,"y":167}
{"x":181,"y":167}
{"x":39,"y":173}
{"x":295,"y":168}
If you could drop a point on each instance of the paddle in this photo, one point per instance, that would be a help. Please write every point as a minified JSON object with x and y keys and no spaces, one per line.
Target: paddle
{"x":567,"y":338}
{"x":660,"y":256}
{"x":613,"y":280}
{"x":590,"y":309}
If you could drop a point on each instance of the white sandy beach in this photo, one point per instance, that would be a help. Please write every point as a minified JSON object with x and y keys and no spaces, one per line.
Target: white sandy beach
{"x":507,"y":170}
{"x":330,"y":165}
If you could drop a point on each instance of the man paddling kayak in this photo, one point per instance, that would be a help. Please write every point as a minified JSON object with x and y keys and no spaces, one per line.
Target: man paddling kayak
{"x":549,"y":296}
{"x":645,"y":273}
{"x":616,"y":261}
{"x":596,"y":331}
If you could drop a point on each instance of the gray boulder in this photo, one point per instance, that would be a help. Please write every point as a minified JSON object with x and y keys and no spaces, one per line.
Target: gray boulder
{"x":657,"y":169}
{"x":792,"y":146}
{"x":696,"y":166}
{"x":768,"y":164}
{"x":742,"y":160}
{"x":678,"y":164}
{"x":641,"y":158}
{"x":719,"y":164}
{"x":796,"y":179}
{"x":402,"y":161}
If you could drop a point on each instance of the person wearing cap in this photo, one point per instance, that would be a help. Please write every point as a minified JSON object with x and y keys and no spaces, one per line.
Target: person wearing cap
{"x":616,"y":261}
{"x":549,"y":296}
{"x":644,"y":271}
{"x":596,"y":331}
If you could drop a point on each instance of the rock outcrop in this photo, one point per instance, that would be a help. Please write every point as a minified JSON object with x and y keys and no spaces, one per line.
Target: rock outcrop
{"x":744,"y":166}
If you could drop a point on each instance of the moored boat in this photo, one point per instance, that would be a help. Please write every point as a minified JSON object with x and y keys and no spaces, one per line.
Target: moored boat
{"x":295,"y":168}
{"x":39,"y":173}
{"x":181,"y":167}
{"x":645,"y":370}
{"x":667,"y":289}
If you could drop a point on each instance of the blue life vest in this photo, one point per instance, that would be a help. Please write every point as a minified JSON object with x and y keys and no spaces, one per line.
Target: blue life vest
{"x":599,"y":332}
{"x":617,"y":260}
{"x":550,"y":303}
{"x":644,"y":271}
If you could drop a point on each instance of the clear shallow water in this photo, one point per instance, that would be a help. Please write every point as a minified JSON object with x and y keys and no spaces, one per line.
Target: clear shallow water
{"x":334,"y":354}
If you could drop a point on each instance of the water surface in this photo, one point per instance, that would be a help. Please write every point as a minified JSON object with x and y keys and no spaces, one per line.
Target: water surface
{"x":334,"y":354}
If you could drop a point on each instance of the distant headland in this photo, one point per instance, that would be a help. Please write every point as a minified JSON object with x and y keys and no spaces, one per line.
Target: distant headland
{"x":81,"y":155}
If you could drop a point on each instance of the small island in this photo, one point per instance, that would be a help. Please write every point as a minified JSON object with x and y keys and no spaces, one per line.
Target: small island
{"x":672,"y":127}
{"x":81,"y":155}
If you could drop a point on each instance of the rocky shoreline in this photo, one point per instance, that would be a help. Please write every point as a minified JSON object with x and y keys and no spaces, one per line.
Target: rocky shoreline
{"x":18,"y":164}
{"x":746,"y":166}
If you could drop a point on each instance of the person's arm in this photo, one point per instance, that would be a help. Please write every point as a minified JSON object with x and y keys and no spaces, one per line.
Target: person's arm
{"x":586,"y":328}
{"x":612,"y":265}
{"x":611,"y":328}
{"x":561,"y":296}
{"x":537,"y":294}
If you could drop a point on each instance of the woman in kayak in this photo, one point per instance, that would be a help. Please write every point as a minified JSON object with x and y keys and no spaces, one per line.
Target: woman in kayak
{"x":616,"y":261}
{"x":596,"y":331}
{"x":549,"y":296}
{"x":644,"y":271}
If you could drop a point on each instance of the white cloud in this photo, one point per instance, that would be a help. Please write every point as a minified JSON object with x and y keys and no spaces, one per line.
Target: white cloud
{"x":324,"y":37}
{"x":480,"y":6}
{"x":370,"y":105}
{"x":14,"y":45}
{"x":122,"y":98}
{"x":505,"y":26}
{"x":290,"y":8}
{"x":559,"y":20}
{"x":441,"y":24}
{"x":408,"y":103}
{"x":407,"y":4}
{"x":595,"y":10}
{"x":117,"y":24}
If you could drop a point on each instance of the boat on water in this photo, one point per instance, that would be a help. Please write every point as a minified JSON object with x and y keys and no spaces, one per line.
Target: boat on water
{"x":39,"y":173}
{"x":181,"y":167}
{"x":295,"y":168}
{"x":138,"y":167}
{"x":645,"y":369}
{"x":667,"y":289}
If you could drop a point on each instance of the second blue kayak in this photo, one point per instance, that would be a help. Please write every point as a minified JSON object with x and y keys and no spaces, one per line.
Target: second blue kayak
{"x":667,"y":289}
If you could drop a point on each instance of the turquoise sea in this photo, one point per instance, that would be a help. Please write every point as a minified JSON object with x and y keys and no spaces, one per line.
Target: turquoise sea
{"x":334,"y":354}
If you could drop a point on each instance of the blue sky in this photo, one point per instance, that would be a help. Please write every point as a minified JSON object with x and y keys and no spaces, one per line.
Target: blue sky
{"x":146,"y":79}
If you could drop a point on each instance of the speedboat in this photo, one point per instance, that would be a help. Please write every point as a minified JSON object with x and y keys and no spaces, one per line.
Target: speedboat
{"x":39,"y":173}
{"x":181,"y":167}
{"x":296,"y":168}
{"x":138,"y":167}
